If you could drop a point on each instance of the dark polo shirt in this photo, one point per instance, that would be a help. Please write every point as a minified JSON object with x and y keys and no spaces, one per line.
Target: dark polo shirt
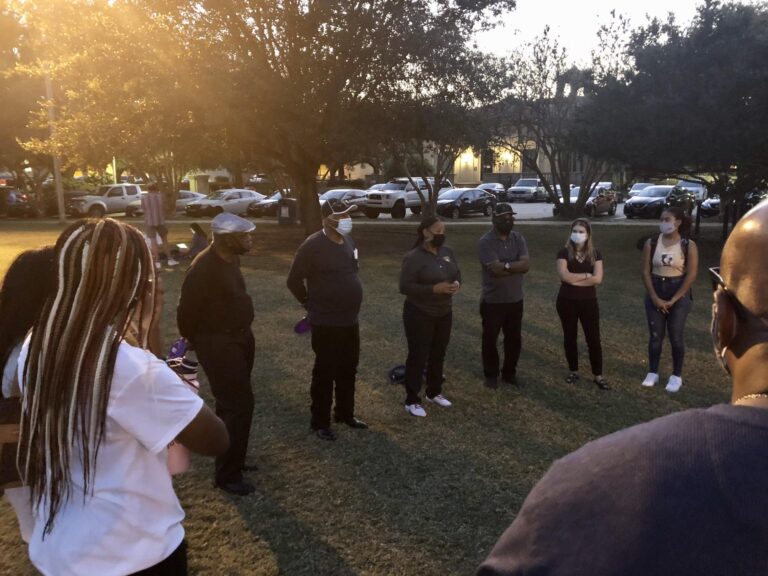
{"x":492,"y":248}
{"x":420,"y":271}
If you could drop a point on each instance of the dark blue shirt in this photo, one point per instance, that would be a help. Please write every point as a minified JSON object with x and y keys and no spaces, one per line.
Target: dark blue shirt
{"x":333,"y":292}
{"x":684,"y":495}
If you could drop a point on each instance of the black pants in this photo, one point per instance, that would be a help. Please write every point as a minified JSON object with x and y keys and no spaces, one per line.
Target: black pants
{"x":587,"y":312}
{"x":428,"y":338}
{"x":227,"y":360}
{"x":506,"y":318}
{"x":174,"y":565}
{"x":337,"y":352}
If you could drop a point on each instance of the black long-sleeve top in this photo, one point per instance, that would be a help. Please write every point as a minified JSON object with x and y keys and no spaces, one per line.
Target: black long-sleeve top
{"x":421,"y":270}
{"x":333,"y":292}
{"x":213,"y":297}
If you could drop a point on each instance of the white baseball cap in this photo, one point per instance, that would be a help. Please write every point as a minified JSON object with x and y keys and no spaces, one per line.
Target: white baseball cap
{"x":226,"y":223}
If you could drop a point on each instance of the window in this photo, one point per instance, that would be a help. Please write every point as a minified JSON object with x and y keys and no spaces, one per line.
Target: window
{"x":116,"y":192}
{"x":132,"y":190}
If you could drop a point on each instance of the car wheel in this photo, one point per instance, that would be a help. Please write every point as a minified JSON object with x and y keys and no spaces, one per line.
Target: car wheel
{"x":398,"y":211}
{"x":416,"y":210}
{"x":372,"y":214}
{"x":96,"y":212}
{"x":488,"y":210}
{"x":456,"y":213}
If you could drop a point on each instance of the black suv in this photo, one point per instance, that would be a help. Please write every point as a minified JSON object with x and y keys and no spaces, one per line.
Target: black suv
{"x":650,"y":202}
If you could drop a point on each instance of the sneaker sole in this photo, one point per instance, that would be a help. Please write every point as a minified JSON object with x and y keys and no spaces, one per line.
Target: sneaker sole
{"x":648,"y":384}
{"x":416,"y":415}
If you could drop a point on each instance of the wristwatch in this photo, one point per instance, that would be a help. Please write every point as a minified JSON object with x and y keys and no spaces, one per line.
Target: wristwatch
{"x":507,"y":266}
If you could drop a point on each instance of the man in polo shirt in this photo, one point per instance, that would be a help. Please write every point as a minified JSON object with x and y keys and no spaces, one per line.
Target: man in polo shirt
{"x":215,"y":314}
{"x":503,"y":255}
{"x":324,"y":279}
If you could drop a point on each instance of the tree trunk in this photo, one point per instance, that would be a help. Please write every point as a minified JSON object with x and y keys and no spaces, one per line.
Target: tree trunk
{"x":309,"y":206}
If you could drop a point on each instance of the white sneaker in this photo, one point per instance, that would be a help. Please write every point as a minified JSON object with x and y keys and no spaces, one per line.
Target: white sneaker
{"x":440,"y":400}
{"x":172,"y":262}
{"x":158,"y":266}
{"x":415,"y":410}
{"x":674,"y":383}
{"x":651,"y":379}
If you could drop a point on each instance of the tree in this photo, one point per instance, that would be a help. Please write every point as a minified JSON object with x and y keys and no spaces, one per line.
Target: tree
{"x":542,"y":113}
{"x":308,"y":71}
{"x":694,"y":102}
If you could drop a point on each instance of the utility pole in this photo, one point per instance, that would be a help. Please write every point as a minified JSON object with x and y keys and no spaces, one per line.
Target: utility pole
{"x":56,"y":160}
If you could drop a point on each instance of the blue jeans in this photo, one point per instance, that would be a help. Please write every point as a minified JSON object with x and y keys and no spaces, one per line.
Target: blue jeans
{"x":673,"y":322}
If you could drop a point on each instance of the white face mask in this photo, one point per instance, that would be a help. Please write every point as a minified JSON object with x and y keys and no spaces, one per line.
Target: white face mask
{"x":344,"y":226}
{"x":667,"y":227}
{"x":578,"y":238}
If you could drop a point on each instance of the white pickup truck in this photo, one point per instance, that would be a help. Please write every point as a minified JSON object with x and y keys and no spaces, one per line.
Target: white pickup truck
{"x":397,"y":195}
{"x":107,"y":199}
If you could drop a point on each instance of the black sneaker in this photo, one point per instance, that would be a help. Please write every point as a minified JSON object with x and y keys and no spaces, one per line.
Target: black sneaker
{"x":239,"y":488}
{"x":354,"y":423}
{"x":326,"y":434}
{"x":491,"y":382}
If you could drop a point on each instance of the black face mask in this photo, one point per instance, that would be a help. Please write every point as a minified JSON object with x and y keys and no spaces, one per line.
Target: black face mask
{"x":504,"y":226}
{"x":235,"y":246}
{"x":438,"y":240}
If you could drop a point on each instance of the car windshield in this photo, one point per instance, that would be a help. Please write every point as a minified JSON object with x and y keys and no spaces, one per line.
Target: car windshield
{"x":102,"y":190}
{"x":275,"y":196}
{"x":452,"y":194}
{"x":394,"y":186}
{"x":654,"y":192}
{"x":333,"y":195}
{"x":220,"y":195}
{"x":640,"y":186}
{"x":527,"y":182}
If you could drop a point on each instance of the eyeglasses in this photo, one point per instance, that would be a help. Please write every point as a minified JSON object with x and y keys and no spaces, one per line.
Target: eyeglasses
{"x":718,"y":282}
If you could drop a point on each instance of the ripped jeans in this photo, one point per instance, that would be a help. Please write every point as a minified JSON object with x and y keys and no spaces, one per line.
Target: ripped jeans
{"x":673,"y":322}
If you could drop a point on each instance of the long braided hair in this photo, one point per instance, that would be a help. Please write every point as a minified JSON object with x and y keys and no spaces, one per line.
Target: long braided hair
{"x":104,"y":293}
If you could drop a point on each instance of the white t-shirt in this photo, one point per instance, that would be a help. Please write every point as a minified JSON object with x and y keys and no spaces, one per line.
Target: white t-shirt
{"x":133,"y":519}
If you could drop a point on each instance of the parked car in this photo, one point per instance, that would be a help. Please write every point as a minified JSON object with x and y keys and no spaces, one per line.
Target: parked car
{"x":526,"y":190}
{"x":752,"y":199}
{"x":699,"y":189}
{"x":494,"y":188}
{"x":16,"y":204}
{"x":234,"y":200}
{"x":710,"y":207}
{"x":184,"y":197}
{"x":343,"y":197}
{"x":636,"y":187}
{"x":107,"y":199}
{"x":612,"y":188}
{"x":397,"y":195}
{"x":653,"y":200}
{"x":600,"y":201}
{"x":459,"y":202}
{"x":266,"y":207}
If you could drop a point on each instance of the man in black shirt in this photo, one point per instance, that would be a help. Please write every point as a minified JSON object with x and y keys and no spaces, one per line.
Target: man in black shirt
{"x":327,"y":262}
{"x":215,"y":314}
{"x":683,"y":494}
{"x":503,"y":255}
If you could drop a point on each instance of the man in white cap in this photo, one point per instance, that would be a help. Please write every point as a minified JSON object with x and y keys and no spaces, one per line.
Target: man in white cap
{"x":215,"y":314}
{"x":332,"y":294}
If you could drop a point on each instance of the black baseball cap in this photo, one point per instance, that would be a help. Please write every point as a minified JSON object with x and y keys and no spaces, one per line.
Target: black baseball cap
{"x":504,"y":208}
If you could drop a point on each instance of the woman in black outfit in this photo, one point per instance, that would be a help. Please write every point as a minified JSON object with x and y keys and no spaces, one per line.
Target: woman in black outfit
{"x":580,"y":268}
{"x":429,"y":278}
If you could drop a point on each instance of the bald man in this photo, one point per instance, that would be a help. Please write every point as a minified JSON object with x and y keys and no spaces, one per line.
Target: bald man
{"x":684,"y":494}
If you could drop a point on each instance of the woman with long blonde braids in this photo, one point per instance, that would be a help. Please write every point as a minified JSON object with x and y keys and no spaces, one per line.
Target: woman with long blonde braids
{"x":99,"y":411}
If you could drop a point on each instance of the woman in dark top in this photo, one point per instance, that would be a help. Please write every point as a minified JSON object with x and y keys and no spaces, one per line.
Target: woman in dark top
{"x":429,"y":278}
{"x":580,"y":268}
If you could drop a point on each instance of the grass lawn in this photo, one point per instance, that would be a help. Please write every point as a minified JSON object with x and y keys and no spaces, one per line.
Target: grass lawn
{"x":412,"y":496}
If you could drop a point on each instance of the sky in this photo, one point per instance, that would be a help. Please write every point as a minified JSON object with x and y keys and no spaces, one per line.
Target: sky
{"x":575,"y":22}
